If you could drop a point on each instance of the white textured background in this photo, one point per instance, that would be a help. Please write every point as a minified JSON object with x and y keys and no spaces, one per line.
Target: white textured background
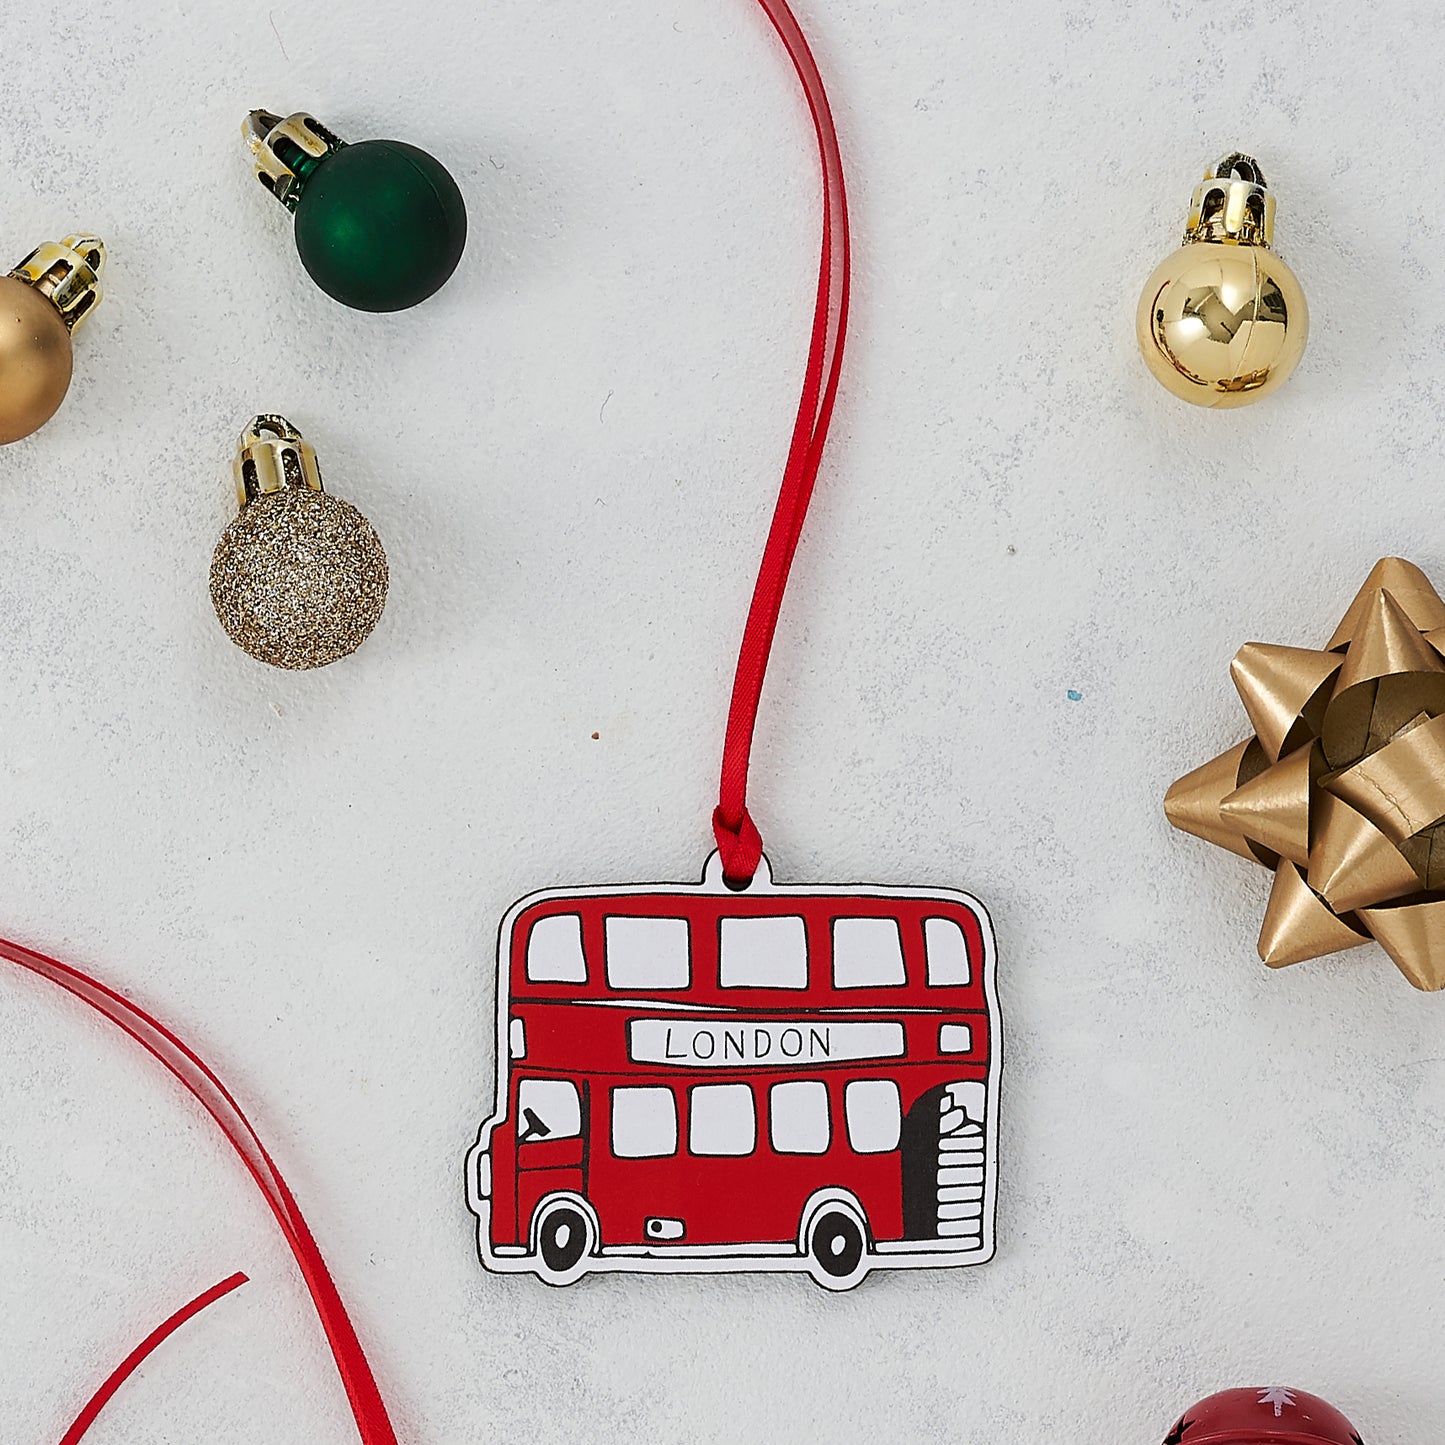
{"x":1212,"y":1175}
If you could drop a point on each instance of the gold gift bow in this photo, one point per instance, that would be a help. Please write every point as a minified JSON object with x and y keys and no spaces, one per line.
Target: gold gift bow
{"x":1341,"y":790}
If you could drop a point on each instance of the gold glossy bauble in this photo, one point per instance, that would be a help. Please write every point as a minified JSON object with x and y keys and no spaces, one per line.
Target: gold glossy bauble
{"x":1222,"y":325}
{"x":35,"y":359}
{"x":1223,"y":322}
{"x":299,"y":578}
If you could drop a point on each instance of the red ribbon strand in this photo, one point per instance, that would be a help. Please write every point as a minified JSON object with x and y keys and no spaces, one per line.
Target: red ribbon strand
{"x":737,"y":836}
{"x":367,"y":1406}
{"x":132,"y":1361}
{"x":738,"y":840}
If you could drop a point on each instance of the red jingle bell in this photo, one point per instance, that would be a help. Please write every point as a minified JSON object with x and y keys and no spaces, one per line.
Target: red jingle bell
{"x":1273,"y":1416}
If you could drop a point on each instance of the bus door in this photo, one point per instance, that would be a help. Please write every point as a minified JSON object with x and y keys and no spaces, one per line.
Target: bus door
{"x":549,"y":1116}
{"x":640,"y":1179}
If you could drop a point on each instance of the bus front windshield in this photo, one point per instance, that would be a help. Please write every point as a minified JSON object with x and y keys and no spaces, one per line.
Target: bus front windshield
{"x":547,"y":1109}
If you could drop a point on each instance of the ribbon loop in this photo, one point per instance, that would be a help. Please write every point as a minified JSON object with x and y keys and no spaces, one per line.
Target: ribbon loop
{"x":739,"y":842}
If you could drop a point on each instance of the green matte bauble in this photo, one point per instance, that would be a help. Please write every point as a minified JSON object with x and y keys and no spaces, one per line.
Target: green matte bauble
{"x":380,"y":225}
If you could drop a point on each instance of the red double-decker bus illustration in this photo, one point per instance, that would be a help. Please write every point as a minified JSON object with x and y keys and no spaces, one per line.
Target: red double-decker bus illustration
{"x":692,"y":1079}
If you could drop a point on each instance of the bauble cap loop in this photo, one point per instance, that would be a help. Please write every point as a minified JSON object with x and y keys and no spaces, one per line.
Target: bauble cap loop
{"x":1232,"y":204}
{"x":287,"y":151}
{"x":67,"y":274}
{"x":271,"y":456}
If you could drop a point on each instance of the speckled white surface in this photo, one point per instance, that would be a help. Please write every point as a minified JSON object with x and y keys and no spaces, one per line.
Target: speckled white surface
{"x":1212,"y":1175}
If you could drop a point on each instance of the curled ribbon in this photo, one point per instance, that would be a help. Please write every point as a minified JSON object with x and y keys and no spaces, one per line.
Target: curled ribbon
{"x":373,"y":1424}
{"x":1341,"y":790}
{"x":142,"y":1351}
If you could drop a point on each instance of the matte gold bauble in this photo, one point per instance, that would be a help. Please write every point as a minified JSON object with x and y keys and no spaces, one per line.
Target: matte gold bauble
{"x":1223,"y":322}
{"x":299,"y":578}
{"x":35,"y":360}
{"x":41,"y":302}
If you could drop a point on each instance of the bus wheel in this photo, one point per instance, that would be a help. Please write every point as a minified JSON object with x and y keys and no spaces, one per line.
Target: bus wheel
{"x":565,"y":1237}
{"x":837,"y":1244}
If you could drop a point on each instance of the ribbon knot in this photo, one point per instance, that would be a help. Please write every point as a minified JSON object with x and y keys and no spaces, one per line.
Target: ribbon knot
{"x":740,"y":847}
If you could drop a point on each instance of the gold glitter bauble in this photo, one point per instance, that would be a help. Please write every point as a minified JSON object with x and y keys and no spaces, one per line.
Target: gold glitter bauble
{"x":299,"y":578}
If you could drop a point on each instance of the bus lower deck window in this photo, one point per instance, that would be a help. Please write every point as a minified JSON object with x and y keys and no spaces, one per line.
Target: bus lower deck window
{"x":798,"y":1117}
{"x":722,"y":1120}
{"x":875,"y":1120}
{"x":644,"y":1122}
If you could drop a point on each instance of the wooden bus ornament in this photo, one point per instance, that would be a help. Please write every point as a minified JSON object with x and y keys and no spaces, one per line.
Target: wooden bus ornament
{"x":692,"y":1079}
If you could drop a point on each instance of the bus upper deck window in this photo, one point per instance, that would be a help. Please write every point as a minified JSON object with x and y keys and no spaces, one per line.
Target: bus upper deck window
{"x":867,"y":953}
{"x":554,"y":950}
{"x":763,"y":953}
{"x":644,"y":1122}
{"x":947,"y":952}
{"x":875,"y":1120}
{"x":648,"y":953}
{"x":547,"y":1109}
{"x":723,"y":1120}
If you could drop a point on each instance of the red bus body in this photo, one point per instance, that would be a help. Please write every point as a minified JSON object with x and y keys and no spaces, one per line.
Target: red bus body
{"x":692,"y":1079}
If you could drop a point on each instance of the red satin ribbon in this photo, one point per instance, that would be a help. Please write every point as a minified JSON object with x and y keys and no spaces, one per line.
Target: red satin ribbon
{"x":738,"y":840}
{"x":372,"y":1422}
{"x":127,"y":1366}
